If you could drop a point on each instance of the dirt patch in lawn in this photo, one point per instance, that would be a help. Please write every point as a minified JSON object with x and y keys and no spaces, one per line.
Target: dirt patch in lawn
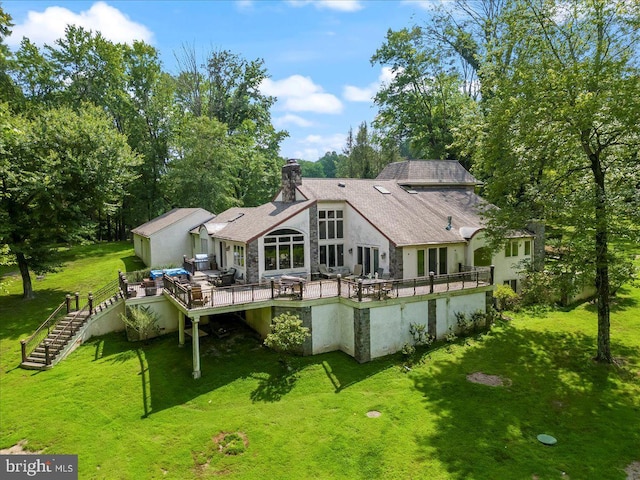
{"x":231,"y":443}
{"x":491,"y":380}
{"x":18,"y":449}
{"x":633,"y":471}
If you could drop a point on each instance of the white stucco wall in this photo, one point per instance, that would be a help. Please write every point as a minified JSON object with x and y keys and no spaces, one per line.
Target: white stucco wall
{"x":259,"y":319}
{"x":359,"y":232}
{"x":172,"y":242}
{"x":332,"y":328}
{"x":446,"y":308}
{"x":506,"y":268}
{"x":142,"y":248}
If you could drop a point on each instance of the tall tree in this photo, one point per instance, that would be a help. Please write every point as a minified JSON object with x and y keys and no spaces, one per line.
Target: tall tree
{"x":363,"y":155}
{"x":562,"y":130}
{"x":424,"y":100}
{"x":7,"y":88}
{"x":225,"y":88}
{"x":57,"y":168}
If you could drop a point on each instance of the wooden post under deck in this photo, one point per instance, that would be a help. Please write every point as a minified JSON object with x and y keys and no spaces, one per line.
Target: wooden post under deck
{"x":195,"y":335}
{"x":180,"y":329}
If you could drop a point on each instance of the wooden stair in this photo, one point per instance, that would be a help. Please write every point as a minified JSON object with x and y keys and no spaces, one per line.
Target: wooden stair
{"x":57,"y":339}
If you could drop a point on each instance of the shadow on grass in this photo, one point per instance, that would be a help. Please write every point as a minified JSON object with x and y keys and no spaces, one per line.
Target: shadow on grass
{"x":555,"y":388}
{"x":275,"y":386}
{"x":165,"y":368}
{"x":21,"y":317}
{"x":132,"y":263}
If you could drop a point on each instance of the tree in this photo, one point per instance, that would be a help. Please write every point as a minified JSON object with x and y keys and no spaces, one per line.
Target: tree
{"x":424,"y":100}
{"x":227,"y":87}
{"x":311,"y":169}
{"x":562,"y":130}
{"x":364,"y":157}
{"x":287,"y":334}
{"x":7,"y":88}
{"x":330,"y":162}
{"x":57,"y":168}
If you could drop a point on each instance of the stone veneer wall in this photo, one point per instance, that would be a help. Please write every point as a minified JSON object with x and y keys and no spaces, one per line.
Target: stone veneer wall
{"x":253,"y":269}
{"x":362,"y":334}
{"x":291,"y":178}
{"x":314,"y":255}
{"x":395,"y":262}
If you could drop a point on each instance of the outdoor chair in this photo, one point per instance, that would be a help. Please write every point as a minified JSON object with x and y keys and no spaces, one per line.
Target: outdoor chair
{"x":325,"y":272}
{"x":357,"y":272}
{"x":197,"y":300}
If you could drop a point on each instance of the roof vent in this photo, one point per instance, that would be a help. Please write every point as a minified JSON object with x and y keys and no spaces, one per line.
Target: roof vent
{"x":382,"y":190}
{"x":240,"y":215}
{"x":448,"y":227}
{"x":342,"y":184}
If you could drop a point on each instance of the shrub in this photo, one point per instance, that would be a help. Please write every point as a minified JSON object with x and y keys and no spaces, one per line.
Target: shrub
{"x":287,"y":334}
{"x":506,"y":298}
{"x":420,"y":336}
{"x":142,"y":320}
{"x":538,"y":288}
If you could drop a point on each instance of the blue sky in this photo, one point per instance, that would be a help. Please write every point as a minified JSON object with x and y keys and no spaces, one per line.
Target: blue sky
{"x":316,"y":51}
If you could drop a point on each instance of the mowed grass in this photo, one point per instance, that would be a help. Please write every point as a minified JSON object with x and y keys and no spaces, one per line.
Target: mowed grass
{"x":132,"y":411}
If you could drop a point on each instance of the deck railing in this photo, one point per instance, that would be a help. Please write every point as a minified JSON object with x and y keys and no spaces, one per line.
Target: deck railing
{"x":363,"y":289}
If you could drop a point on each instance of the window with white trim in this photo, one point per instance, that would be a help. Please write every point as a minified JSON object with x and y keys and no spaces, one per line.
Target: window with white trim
{"x":238,"y":255}
{"x":283,"y":249}
{"x":511,"y":248}
{"x":330,"y":224}
{"x":330,"y":235}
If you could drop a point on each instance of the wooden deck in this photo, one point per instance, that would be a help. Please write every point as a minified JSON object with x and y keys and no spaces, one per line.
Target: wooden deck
{"x":366,"y":290}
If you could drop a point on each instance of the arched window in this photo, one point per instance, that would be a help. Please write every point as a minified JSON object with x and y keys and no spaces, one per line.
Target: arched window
{"x":283,"y":249}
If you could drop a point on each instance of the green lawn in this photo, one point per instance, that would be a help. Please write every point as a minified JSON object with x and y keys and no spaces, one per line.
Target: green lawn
{"x":134,"y":412}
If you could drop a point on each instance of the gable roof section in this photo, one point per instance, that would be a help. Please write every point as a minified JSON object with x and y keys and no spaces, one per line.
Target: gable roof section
{"x":246,"y":224}
{"x":172,"y":216}
{"x":404,"y":218}
{"x":428,"y":172}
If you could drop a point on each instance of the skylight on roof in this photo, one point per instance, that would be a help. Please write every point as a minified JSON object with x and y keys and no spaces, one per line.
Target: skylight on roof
{"x":382,"y":190}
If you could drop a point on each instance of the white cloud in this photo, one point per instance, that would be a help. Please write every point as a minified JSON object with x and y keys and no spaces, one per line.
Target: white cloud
{"x":366,"y":94}
{"x":313,"y":147}
{"x":291,"y":119}
{"x":340,"y":5}
{"x":426,"y":4}
{"x":299,"y":94}
{"x":49,"y":25}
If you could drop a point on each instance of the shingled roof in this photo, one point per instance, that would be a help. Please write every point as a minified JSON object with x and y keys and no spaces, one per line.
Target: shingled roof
{"x":246,"y":224}
{"x":404,"y":216}
{"x":428,"y":173}
{"x":153,"y":226}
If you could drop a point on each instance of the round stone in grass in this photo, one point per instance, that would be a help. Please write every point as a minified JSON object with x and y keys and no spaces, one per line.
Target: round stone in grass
{"x":547,"y":439}
{"x":373,"y":414}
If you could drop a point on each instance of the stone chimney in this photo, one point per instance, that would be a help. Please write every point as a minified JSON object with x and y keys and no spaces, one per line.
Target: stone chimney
{"x":291,"y":178}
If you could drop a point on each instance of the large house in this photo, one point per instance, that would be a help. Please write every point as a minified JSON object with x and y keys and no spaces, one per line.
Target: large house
{"x":417,"y":217}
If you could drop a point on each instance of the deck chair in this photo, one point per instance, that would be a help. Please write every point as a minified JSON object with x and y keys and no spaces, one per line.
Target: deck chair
{"x":324,"y":271}
{"x":197,"y":299}
{"x":357,"y":272}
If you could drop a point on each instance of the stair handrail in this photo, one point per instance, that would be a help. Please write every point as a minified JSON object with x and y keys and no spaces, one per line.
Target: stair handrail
{"x":111,"y":289}
{"x":29,"y":344}
{"x":66,"y":329}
